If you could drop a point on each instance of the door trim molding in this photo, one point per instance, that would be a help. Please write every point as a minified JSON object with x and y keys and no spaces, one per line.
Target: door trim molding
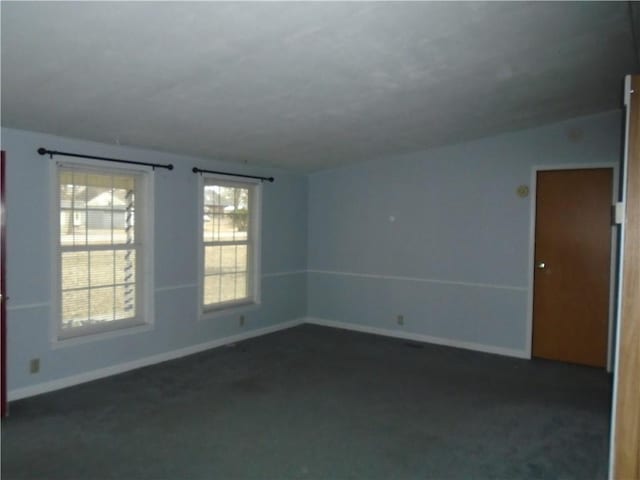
{"x":532,"y":235}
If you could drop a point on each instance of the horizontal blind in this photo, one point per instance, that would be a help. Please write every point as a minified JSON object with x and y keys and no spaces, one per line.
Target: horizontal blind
{"x":98,"y":248}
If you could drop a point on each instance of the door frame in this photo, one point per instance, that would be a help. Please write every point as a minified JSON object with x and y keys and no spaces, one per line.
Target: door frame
{"x":532,"y":248}
{"x":625,"y":412}
{"x":3,"y":288}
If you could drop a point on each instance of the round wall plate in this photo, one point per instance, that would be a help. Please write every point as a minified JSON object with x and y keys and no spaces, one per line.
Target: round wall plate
{"x":522,"y":191}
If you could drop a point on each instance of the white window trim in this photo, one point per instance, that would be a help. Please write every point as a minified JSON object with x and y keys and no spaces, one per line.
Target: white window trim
{"x":146,"y":276}
{"x":233,"y":307}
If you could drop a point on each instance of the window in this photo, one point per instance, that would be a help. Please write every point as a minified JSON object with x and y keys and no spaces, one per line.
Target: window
{"x":230,"y":242}
{"x":101,"y":254}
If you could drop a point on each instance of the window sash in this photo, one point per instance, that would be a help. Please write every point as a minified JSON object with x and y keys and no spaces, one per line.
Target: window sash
{"x":136,"y":284}
{"x":248,"y":276}
{"x":115,"y":283}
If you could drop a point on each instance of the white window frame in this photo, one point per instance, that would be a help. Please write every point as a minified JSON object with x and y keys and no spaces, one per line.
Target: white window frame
{"x":144,"y":269}
{"x":253,"y":251}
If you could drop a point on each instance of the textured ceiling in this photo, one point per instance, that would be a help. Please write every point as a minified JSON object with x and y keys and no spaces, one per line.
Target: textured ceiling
{"x":307,"y":85}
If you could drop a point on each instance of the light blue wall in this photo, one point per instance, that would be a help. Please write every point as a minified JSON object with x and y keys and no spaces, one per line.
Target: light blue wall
{"x":455,"y":261}
{"x":176,"y":326}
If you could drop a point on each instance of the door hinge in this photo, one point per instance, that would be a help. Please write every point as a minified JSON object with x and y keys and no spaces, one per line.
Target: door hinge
{"x":627,"y":90}
{"x":618,"y":213}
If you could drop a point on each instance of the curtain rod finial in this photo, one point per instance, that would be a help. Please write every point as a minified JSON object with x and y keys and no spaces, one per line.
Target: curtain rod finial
{"x":42,"y":150}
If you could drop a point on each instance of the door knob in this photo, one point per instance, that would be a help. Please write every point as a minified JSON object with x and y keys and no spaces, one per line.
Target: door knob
{"x":541,"y":265}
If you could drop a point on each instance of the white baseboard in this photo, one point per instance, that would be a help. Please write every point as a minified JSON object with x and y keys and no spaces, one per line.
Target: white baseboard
{"x":84,"y":377}
{"x":479,"y":347}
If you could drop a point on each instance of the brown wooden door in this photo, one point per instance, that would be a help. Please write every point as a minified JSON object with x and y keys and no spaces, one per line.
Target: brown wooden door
{"x":573,"y":261}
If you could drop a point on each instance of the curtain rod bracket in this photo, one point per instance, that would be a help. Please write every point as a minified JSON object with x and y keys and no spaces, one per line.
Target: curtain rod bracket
{"x":44,"y":151}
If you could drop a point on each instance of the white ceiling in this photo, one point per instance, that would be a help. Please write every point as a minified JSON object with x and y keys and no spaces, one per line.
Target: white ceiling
{"x":307,"y":85}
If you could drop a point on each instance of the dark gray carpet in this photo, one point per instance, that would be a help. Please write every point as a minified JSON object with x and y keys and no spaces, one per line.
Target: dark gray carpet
{"x":319,"y":403}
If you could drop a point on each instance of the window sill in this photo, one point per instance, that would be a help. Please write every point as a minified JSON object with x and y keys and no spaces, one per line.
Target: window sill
{"x":228,"y":310}
{"x":96,"y":337}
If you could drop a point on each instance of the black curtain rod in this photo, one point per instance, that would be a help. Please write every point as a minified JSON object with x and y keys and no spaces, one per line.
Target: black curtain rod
{"x":264,"y":179}
{"x":51,"y":153}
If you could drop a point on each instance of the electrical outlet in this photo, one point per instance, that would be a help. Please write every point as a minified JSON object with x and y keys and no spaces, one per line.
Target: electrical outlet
{"x":34,"y":365}
{"x":241,"y":320}
{"x":400,"y":319}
